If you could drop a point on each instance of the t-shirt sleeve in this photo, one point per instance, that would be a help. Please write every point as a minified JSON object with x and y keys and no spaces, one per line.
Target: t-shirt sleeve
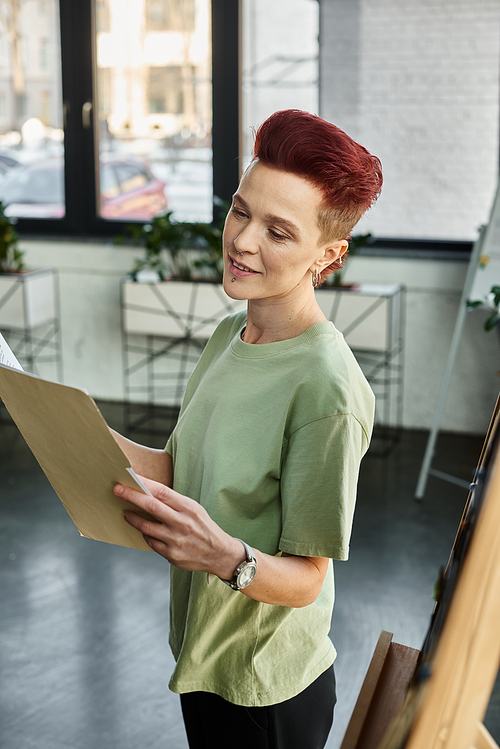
{"x":318,"y":486}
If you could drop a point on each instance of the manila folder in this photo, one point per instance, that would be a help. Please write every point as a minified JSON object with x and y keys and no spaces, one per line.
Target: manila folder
{"x":70,"y":439}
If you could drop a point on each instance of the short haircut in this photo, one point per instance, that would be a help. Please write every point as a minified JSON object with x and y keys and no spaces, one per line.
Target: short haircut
{"x":349,"y":177}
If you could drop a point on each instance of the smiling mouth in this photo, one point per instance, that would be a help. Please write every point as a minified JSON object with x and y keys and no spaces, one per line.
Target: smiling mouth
{"x":242,"y":267}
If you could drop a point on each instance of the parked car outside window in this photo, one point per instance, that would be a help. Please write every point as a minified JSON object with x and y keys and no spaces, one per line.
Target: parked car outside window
{"x":128,"y":190}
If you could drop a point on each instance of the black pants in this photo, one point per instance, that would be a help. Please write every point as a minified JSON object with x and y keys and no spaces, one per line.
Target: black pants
{"x":302,"y":722}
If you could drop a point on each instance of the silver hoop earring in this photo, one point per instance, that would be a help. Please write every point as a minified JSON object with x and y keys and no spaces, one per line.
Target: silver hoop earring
{"x":316,"y":279}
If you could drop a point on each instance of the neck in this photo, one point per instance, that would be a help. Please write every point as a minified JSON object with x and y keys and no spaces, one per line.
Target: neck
{"x":272,"y":320}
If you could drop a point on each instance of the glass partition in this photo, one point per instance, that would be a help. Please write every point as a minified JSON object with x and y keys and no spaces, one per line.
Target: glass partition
{"x":154,"y":108}
{"x":280,"y":60}
{"x":31,"y":117}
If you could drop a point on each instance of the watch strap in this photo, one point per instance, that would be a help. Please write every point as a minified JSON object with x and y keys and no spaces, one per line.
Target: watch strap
{"x":248,"y":551}
{"x":249,"y":559}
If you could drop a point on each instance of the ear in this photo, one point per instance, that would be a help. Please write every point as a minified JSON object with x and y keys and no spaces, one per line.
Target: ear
{"x":331,"y":252}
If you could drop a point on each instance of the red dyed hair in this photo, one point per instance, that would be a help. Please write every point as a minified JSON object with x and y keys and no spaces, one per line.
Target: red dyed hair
{"x":349,"y":177}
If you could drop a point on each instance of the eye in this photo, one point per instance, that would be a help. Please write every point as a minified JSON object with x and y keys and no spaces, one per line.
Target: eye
{"x":277,"y":236}
{"x":238,"y":212}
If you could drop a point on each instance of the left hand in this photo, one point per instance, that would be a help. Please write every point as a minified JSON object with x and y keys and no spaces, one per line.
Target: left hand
{"x":188,"y":538}
{"x":184,"y":533}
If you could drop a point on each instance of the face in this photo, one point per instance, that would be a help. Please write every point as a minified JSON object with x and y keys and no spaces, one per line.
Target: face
{"x":271,"y":236}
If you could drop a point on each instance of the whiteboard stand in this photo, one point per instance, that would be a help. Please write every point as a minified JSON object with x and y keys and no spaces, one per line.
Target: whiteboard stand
{"x":462,"y":311}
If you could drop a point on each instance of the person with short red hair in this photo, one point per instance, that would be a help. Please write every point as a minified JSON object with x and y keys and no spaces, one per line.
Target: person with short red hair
{"x":254,"y":494}
{"x":348,"y":176}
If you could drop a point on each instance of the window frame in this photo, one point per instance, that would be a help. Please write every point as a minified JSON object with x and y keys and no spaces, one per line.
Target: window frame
{"x":77,"y":29}
{"x":79,"y":72}
{"x":438,"y":249}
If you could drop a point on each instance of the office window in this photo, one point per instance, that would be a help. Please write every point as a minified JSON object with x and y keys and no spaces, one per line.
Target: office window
{"x":172,"y":90}
{"x":44,"y":54}
{"x":154,"y":107}
{"x":170,"y":15}
{"x":4,"y":52}
{"x":24,"y":43}
{"x":45,"y":109}
{"x":120,"y":102}
{"x":88,"y":96}
{"x":31,"y":132}
{"x":102,"y":16}
{"x":280,"y":60}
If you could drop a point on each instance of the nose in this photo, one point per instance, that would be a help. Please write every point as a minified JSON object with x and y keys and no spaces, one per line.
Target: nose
{"x":238,"y":252}
{"x":246,"y":240}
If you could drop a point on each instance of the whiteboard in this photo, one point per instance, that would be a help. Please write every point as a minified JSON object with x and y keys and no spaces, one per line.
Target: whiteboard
{"x":488,"y":265}
{"x":483,"y":272}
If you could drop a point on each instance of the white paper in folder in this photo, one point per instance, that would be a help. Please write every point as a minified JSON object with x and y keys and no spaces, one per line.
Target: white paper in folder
{"x":7,"y":357}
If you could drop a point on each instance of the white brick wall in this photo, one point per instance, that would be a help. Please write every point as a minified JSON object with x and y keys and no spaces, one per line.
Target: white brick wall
{"x":417,"y":83}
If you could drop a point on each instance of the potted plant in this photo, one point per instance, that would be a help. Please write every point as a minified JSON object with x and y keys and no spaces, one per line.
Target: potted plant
{"x":492,"y":303}
{"x":27,"y":298}
{"x":175,"y":288}
{"x":176,"y":250}
{"x":11,"y":257}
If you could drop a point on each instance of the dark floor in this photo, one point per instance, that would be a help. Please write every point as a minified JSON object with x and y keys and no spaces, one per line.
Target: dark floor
{"x":84,"y":658}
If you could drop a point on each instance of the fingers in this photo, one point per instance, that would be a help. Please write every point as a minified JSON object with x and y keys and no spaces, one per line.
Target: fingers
{"x":161,"y":492}
{"x":177,"y":527}
{"x":146,"y":527}
{"x":157,"y":506}
{"x":160,"y":547}
{"x":168,"y":496}
{"x":157,"y":490}
{"x":155,"y":534}
{"x":172,"y":526}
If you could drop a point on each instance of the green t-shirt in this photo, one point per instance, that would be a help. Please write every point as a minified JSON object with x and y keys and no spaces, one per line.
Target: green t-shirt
{"x":269,"y":440}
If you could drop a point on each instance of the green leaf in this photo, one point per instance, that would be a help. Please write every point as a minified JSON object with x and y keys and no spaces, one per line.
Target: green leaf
{"x":492,"y":321}
{"x":11,"y":257}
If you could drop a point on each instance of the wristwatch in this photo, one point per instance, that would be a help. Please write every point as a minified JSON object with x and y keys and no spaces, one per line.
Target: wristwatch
{"x":244,"y":572}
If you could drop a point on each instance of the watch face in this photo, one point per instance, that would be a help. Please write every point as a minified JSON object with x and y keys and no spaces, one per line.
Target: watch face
{"x":246,"y":575}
